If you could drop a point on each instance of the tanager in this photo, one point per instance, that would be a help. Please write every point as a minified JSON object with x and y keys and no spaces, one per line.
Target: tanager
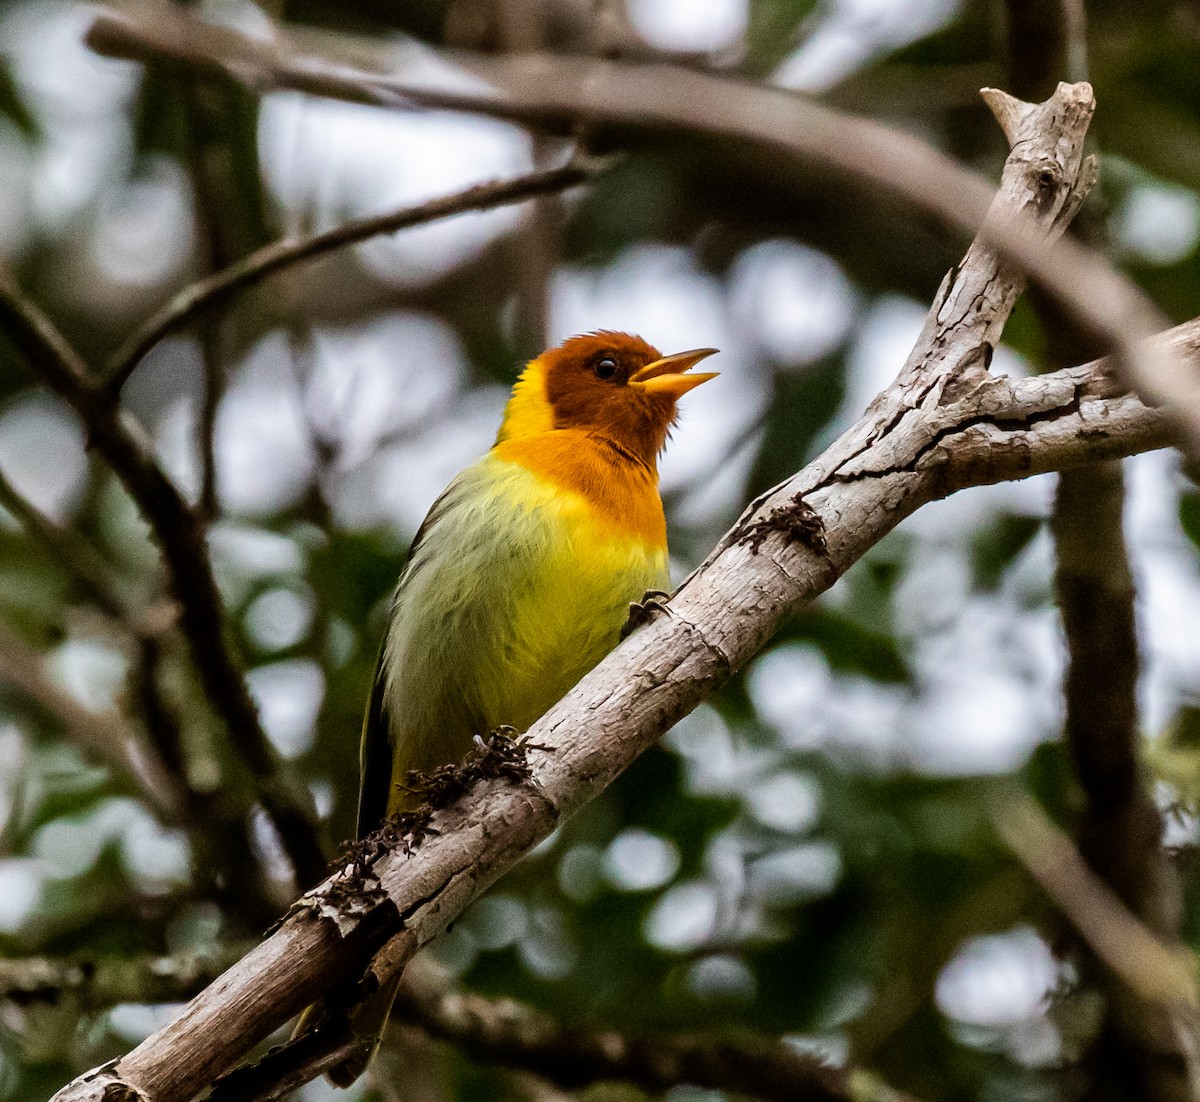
{"x":521,"y":577}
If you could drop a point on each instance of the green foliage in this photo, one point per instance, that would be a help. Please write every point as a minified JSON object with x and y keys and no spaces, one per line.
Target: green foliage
{"x":13,"y":106}
{"x":803,"y":403}
{"x":1189,"y":516}
{"x":850,"y":646}
{"x":996,"y":546}
{"x":805,"y":872}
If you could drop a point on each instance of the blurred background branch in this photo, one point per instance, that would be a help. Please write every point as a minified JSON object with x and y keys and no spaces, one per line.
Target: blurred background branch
{"x":545,"y":91}
{"x":512,"y":1035}
{"x":1158,"y":973}
{"x":214,"y":290}
{"x":180,"y":534}
{"x":99,"y":984}
{"x":104,"y":737}
{"x":1143,"y":1048}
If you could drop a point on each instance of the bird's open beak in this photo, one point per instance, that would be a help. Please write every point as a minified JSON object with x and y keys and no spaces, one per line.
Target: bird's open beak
{"x":667,"y":376}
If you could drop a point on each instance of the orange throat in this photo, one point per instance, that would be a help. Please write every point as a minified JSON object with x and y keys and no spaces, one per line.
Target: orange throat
{"x":619,"y":488}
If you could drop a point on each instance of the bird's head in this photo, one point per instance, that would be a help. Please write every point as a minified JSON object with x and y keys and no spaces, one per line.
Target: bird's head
{"x":614,"y":385}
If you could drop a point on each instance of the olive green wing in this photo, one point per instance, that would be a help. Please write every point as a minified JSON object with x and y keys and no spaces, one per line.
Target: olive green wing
{"x":375,"y":755}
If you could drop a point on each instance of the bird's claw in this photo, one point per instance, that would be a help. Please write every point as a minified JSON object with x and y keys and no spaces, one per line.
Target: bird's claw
{"x":643,"y":611}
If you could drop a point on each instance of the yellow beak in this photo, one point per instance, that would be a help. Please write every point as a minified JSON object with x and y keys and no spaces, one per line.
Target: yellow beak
{"x":666,"y":376}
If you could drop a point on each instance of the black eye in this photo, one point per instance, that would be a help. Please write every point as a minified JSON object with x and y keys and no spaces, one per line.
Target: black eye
{"x":605,"y":368}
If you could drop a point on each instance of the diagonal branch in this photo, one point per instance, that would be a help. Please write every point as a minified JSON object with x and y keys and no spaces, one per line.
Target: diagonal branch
{"x":559,"y":93}
{"x":103,"y":737}
{"x":213,"y":290}
{"x":1161,"y":974}
{"x":406,"y":884}
{"x":182,"y":538}
{"x":723,"y":616}
{"x":80,"y":557}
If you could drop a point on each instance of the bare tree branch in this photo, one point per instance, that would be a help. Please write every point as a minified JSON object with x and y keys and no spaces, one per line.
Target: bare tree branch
{"x":945,"y":424}
{"x":1158,"y":973}
{"x":217,"y":288}
{"x":561,"y":92}
{"x":1141,"y":1048}
{"x":182,"y":539}
{"x":516,"y":1036}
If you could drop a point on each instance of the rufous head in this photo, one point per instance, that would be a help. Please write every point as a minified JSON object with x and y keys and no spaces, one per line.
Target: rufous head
{"x":613,"y":385}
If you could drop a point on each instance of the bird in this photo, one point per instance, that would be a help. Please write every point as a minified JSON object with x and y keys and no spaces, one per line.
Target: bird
{"x":523,"y":574}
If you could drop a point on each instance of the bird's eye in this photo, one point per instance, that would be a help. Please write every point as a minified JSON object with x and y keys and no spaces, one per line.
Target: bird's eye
{"x":605,"y":368}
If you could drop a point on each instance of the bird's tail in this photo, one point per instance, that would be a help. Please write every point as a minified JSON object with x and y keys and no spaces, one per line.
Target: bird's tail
{"x":365,"y":1022}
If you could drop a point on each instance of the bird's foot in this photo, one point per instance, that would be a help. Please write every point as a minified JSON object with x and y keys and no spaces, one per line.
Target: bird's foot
{"x":642,"y":612}
{"x":498,"y":736}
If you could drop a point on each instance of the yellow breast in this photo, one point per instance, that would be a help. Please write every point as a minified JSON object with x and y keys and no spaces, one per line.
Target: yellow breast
{"x":519,"y":584}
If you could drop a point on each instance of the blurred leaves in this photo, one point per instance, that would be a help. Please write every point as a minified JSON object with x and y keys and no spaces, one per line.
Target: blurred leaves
{"x":1189,"y":516}
{"x":996,"y":545}
{"x":803,"y":403}
{"x":13,"y":106}
{"x":851,"y":647}
{"x":811,"y":874}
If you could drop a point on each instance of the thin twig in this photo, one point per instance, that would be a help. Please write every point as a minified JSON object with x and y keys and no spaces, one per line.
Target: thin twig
{"x":77,"y":554}
{"x":209,"y":292}
{"x":209,"y":126}
{"x":183,"y":541}
{"x":214,"y":391}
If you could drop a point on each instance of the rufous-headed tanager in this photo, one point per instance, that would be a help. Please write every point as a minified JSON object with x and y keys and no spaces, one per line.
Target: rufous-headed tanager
{"x":521,"y":577}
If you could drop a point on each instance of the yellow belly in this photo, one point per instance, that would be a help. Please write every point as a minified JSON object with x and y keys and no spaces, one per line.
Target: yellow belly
{"x":515,"y":590}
